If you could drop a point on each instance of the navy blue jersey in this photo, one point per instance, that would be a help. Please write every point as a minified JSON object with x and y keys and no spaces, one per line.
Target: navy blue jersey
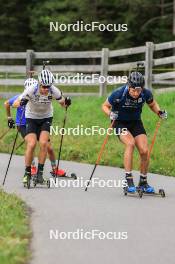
{"x":129,"y":108}
{"x":20,"y":114}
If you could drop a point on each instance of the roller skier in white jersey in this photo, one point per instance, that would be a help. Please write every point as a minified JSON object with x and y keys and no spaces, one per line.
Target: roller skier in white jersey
{"x":39,"y":113}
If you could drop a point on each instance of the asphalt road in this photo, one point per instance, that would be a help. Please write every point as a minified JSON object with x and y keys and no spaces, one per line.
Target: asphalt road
{"x":148,"y":223}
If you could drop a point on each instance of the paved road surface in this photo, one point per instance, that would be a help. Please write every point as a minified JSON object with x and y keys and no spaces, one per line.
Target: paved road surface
{"x":149,"y":222}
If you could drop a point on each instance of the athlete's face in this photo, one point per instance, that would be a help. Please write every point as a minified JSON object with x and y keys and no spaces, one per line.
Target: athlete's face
{"x":135,"y":92}
{"x":44,"y":90}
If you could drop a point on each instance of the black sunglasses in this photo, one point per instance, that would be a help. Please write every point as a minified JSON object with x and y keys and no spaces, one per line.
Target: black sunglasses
{"x":45,"y":87}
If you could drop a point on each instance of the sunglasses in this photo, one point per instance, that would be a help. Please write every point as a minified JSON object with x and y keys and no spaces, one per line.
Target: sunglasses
{"x":45,"y":87}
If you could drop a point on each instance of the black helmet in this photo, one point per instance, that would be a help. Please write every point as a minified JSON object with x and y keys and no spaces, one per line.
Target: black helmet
{"x":136,"y":79}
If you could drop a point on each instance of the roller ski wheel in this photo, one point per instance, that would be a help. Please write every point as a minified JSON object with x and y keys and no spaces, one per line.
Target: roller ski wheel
{"x":162,"y":193}
{"x":48,"y":183}
{"x":28,"y":182}
{"x":137,"y":192}
{"x":125,"y":191}
{"x":34,"y":180}
{"x":74,"y":176}
{"x":140,"y":193}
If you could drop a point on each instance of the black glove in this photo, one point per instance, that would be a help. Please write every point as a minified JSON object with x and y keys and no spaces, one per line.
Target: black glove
{"x":11,"y":123}
{"x":23,"y":102}
{"x":67,"y":101}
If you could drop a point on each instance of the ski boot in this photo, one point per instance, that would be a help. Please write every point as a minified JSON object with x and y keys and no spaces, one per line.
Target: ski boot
{"x":33,"y":170}
{"x":26,"y":179}
{"x":144,"y":186}
{"x":58,"y":173}
{"x":131,"y":189}
{"x":38,"y":179}
{"x":61,"y":173}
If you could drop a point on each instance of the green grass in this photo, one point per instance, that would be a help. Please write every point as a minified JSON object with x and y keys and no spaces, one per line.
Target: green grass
{"x":87,"y":111}
{"x":64,"y":89}
{"x":14,"y":230}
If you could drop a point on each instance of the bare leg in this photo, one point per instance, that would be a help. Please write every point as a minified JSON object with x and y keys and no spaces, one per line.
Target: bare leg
{"x":43,"y":142}
{"x":142,"y":146}
{"x":129,"y":142}
{"x":51,"y":152}
{"x":31,"y":141}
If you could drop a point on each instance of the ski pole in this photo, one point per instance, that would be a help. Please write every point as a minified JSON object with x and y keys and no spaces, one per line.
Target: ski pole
{"x":99,"y":155}
{"x":5,"y":133}
{"x":140,"y":64}
{"x":20,"y":144}
{"x":44,"y":64}
{"x":12,"y":150}
{"x":154,"y":138}
{"x":61,"y":142}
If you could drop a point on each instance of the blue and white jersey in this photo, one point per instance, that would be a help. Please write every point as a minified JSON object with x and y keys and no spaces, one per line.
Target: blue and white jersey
{"x":129,"y":108}
{"x":40,"y":106}
{"x":20,"y":112}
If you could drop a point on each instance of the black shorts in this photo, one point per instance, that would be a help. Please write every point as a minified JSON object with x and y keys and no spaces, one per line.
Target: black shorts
{"x":37,"y":125}
{"x":22,"y":130}
{"x":135,"y":127}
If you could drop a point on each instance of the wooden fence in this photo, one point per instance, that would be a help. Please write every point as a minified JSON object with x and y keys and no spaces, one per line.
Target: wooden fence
{"x":103,"y":68}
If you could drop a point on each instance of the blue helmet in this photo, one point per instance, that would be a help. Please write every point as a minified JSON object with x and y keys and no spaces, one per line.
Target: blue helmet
{"x":136,"y":80}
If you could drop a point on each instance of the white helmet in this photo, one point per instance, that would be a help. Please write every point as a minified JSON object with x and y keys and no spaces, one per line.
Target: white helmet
{"x":46,"y":78}
{"x":29,"y":82}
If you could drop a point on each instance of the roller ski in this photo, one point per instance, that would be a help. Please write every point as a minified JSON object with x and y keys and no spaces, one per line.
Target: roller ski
{"x":149,"y":190}
{"x":39,"y":180}
{"x":131,"y":188}
{"x":56,"y":173}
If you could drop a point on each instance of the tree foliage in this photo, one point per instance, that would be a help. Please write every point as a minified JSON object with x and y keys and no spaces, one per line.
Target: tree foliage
{"x":25,"y":24}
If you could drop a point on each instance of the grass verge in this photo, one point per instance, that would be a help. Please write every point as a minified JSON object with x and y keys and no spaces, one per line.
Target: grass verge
{"x":86,"y":111}
{"x":14,"y":230}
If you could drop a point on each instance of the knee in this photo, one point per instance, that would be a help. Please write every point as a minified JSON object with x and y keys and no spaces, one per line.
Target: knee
{"x":31,"y":144}
{"x":130,"y":144}
{"x":143,"y":152}
{"x":43,"y":144}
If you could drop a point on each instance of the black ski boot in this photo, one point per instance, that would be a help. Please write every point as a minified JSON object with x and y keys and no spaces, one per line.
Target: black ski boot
{"x":131,"y":187}
{"x":144,"y":186}
{"x":40,"y":178}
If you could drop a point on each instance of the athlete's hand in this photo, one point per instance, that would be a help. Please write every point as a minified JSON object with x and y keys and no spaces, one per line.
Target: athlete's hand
{"x":163,"y":114}
{"x":113,"y":115}
{"x":11,"y":123}
{"x":23,"y":102}
{"x":68,"y":101}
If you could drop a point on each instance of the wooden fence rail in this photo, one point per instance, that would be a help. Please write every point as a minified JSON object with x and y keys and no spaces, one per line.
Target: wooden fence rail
{"x":104,"y":67}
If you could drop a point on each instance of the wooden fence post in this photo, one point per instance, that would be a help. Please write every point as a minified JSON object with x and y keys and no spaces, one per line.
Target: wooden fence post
{"x":149,"y":64}
{"x":29,"y":61}
{"x":104,"y":71}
